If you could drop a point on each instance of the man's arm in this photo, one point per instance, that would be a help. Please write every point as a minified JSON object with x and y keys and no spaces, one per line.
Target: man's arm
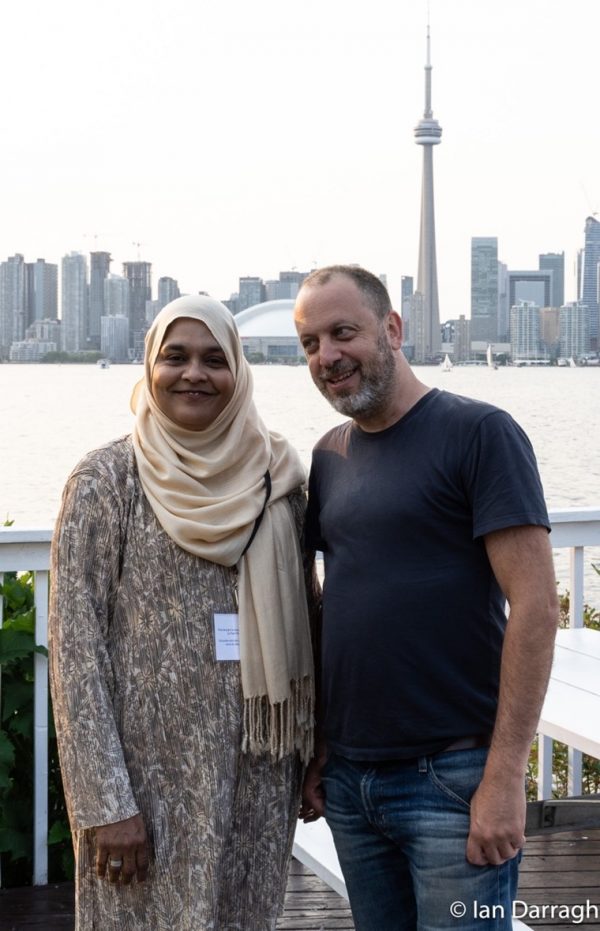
{"x":521,"y":559}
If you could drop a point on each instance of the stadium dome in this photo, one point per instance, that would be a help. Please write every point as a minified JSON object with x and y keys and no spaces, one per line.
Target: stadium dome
{"x":268,"y":333}
{"x":272,"y":318}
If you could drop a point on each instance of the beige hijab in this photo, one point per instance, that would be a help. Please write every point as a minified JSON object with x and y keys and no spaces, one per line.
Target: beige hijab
{"x":207,"y":488}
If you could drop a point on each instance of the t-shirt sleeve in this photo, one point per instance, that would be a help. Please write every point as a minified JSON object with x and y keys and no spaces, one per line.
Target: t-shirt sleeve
{"x":501,"y":477}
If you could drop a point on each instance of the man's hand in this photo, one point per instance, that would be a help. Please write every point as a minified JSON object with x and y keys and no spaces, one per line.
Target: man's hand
{"x":123,"y":841}
{"x":313,"y":796}
{"x":497,"y":822}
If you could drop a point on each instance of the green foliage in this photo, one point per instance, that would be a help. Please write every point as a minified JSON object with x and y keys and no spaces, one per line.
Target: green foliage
{"x":17,"y":649}
{"x":71,"y":357}
{"x":591,"y":616}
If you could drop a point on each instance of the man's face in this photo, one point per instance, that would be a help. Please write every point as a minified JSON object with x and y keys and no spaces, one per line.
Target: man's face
{"x":349,"y":350}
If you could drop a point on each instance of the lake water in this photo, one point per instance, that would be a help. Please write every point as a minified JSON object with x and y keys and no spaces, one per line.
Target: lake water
{"x":51,"y":415}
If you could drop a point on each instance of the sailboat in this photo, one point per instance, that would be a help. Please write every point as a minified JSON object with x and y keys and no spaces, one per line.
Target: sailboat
{"x":490,"y":358}
{"x":446,"y":364}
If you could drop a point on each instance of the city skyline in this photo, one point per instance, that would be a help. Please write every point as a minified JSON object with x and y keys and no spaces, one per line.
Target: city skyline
{"x":241,"y":140}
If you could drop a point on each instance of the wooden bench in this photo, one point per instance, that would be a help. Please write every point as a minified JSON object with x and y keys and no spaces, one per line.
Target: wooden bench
{"x":571,"y":711}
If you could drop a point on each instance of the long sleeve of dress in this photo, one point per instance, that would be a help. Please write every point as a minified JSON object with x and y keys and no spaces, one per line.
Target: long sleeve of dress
{"x":85,"y":576}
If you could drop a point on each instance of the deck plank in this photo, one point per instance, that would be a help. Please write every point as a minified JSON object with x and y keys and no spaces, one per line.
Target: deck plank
{"x":561,"y":869}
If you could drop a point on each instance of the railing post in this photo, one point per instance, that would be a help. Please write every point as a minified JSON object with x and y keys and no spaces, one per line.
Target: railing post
{"x":576,"y":565}
{"x":576,"y":601}
{"x":1,"y":616}
{"x":40,"y":734}
{"x":544,"y":767}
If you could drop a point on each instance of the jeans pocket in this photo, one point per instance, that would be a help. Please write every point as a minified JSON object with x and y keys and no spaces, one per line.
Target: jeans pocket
{"x":457,"y":774}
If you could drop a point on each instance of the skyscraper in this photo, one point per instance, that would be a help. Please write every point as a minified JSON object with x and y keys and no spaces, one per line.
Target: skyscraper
{"x":534,"y":286}
{"x":484,"y":288}
{"x":503,"y":308}
{"x":116,"y":297}
{"x":139,"y":275}
{"x":41,"y":291}
{"x":99,"y":271}
{"x":168,"y":290}
{"x":574,"y":330}
{"x":74,"y":301}
{"x":405,"y":308}
{"x":555,"y":262}
{"x":13,"y":303}
{"x":251,"y":292}
{"x":428,"y":133}
{"x":525,"y":330}
{"x":588,"y":289}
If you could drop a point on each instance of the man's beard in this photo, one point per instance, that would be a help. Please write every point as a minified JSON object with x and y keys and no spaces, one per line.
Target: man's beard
{"x":376,"y":382}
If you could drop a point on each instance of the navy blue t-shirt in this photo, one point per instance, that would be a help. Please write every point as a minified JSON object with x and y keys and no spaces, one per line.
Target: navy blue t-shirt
{"x":413,"y":618}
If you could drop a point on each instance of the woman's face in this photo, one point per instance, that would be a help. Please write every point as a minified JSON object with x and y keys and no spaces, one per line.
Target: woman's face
{"x":191,"y":380}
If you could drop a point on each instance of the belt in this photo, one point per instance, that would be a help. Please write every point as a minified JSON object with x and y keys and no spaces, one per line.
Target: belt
{"x":468,"y":743}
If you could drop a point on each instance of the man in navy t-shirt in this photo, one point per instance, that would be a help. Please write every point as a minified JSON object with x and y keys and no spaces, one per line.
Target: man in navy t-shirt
{"x":429,"y":510}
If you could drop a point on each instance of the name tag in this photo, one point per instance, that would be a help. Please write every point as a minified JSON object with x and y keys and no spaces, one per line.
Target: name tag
{"x":227,"y":636}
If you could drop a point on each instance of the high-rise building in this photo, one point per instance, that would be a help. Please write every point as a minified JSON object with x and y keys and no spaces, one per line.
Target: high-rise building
{"x":139,"y":275}
{"x":232,"y":303}
{"x":13,"y":303}
{"x":550,"y":330}
{"x":588,"y":289}
{"x":116,"y":296}
{"x":525,"y":330}
{"x":555,"y":262}
{"x":417,"y":351}
{"x":99,"y":271}
{"x":252,"y":291}
{"x":462,"y":339}
{"x":428,"y":133}
{"x":286,"y":287}
{"x":114,"y":337}
{"x":168,"y":290}
{"x":533,"y":286}
{"x":574,"y":330}
{"x":74,"y":301}
{"x":484,"y":288}
{"x":406,"y":292}
{"x":42,"y":291}
{"x":503,"y":307}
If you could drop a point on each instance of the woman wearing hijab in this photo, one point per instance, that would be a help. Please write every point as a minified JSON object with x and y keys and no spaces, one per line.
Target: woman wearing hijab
{"x":181,"y":665}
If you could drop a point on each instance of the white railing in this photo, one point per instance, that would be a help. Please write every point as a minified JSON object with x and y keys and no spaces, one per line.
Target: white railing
{"x":29,"y":550}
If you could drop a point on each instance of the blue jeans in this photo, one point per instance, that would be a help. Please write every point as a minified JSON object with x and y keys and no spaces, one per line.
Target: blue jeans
{"x":400,"y":830}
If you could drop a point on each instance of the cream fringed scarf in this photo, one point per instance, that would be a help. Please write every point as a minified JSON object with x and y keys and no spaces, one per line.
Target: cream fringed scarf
{"x":207,"y":488}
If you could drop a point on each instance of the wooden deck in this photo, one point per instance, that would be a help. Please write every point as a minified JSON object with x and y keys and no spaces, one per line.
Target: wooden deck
{"x":560,"y":870}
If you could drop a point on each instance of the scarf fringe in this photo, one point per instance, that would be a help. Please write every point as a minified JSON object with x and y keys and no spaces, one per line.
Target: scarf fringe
{"x":281,"y":728}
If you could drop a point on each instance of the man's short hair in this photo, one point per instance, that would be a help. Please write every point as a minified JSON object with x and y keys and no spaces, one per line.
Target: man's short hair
{"x":371,"y":287}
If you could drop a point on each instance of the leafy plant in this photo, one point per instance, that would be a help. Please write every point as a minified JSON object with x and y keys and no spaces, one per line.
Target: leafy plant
{"x":17,"y":649}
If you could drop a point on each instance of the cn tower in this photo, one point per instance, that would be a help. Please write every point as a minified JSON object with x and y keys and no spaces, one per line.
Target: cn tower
{"x":428,"y":133}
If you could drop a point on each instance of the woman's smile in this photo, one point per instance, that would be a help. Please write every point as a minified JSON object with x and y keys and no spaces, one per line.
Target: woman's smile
{"x":191,"y":379}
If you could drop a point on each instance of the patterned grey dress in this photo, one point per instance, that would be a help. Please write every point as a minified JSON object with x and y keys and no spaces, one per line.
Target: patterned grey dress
{"x":148,"y":721}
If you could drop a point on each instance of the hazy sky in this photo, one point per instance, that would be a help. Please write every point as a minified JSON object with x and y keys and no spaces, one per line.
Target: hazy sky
{"x":240,"y":138}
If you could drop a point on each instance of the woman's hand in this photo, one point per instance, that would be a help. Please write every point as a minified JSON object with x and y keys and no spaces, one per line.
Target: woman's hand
{"x":122,"y":850}
{"x":313,"y":796}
